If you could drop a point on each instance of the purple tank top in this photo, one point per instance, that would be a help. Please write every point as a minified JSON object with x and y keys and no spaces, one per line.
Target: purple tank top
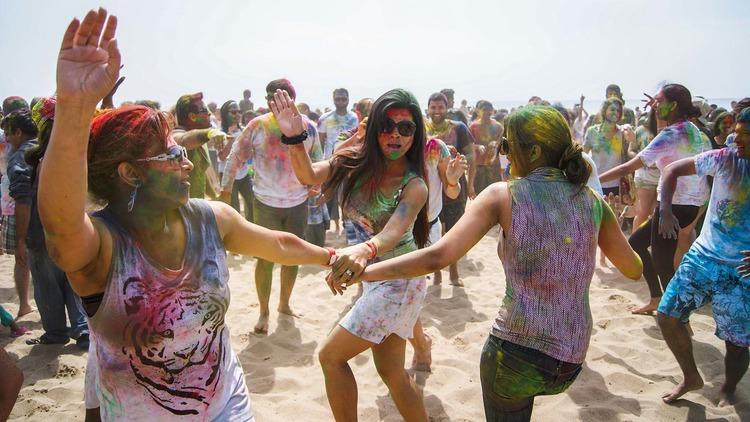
{"x":162,"y":347}
{"x":549,"y":258}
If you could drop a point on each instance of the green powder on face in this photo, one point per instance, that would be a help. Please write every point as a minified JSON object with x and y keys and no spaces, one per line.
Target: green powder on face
{"x":393,"y":155}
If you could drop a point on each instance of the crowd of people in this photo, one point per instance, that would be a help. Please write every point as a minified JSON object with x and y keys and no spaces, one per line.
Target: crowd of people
{"x":142,"y":281}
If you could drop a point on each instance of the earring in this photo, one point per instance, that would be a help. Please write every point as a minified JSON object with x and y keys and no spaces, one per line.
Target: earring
{"x":131,"y":203}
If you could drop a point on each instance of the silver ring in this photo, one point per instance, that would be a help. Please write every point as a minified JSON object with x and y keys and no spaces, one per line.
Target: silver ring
{"x":349,"y":273}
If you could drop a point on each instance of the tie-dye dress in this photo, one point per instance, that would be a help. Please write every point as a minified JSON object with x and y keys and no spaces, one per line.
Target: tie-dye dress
{"x":161,"y":346}
{"x":385,"y":307}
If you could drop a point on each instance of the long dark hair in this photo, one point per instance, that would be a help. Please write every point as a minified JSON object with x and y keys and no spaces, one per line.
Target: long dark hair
{"x":353,"y":165}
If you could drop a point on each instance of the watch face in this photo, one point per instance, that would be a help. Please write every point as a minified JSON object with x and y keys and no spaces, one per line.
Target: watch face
{"x":332,"y":260}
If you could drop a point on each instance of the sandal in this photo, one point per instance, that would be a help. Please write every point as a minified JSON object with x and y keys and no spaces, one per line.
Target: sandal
{"x":20,"y":331}
{"x":43,"y":340}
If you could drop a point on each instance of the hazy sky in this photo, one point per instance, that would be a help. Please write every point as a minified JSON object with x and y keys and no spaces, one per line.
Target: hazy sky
{"x":496,"y":50}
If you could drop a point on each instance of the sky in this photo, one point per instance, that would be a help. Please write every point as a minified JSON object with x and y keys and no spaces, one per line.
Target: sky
{"x":483,"y":49}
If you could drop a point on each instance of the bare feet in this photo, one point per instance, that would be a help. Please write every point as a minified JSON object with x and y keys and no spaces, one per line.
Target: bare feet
{"x":726,"y":396}
{"x":649,"y":308}
{"x":261,"y":327}
{"x":455,"y":280}
{"x":438,"y":278}
{"x":287,"y":310}
{"x":682,"y":388}
{"x":24,"y":310}
{"x":422,"y":359}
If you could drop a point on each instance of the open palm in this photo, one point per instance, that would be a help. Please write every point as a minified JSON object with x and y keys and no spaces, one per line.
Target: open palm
{"x":89,"y":61}
{"x":287,"y":116}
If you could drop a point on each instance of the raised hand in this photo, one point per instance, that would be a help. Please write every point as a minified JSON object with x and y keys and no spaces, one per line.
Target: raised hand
{"x":89,"y":61}
{"x":287,"y":116}
{"x":457,"y":166}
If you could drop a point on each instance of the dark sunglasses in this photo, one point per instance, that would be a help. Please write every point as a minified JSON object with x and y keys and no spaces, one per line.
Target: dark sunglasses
{"x":234,"y":112}
{"x":504,"y":147}
{"x":175,"y":154}
{"x":404,"y":127}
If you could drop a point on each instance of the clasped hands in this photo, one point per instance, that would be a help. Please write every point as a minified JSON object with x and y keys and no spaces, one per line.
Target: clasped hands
{"x":348,"y":268}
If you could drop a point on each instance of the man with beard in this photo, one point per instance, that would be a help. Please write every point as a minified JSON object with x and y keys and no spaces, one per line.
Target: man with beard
{"x":455,"y":134}
{"x":330,"y":125}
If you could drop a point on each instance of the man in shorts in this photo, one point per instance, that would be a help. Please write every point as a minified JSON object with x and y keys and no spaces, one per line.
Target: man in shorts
{"x":712,"y":271}
{"x":280,"y":199}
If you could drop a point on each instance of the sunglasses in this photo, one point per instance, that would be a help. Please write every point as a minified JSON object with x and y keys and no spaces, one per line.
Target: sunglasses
{"x":404,"y":127}
{"x":504,"y":147}
{"x":234,"y":112}
{"x":175,"y":154}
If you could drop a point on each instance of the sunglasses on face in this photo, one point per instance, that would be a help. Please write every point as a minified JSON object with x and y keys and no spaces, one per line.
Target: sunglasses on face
{"x":504,"y":147}
{"x":404,"y":127}
{"x":234,"y":112}
{"x":175,"y":154}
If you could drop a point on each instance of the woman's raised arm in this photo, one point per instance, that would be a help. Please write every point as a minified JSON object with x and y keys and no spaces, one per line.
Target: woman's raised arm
{"x":87,"y":68}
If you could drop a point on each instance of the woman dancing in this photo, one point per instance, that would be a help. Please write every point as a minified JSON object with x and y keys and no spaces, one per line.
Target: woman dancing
{"x":552,"y":224}
{"x":150,"y":267}
{"x":384,"y":196}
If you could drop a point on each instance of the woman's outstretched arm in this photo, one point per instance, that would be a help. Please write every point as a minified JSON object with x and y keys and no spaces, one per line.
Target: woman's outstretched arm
{"x":479,"y":218}
{"x":87,"y":68}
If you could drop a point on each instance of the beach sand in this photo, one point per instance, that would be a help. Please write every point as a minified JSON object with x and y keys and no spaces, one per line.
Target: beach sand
{"x":627,"y":369}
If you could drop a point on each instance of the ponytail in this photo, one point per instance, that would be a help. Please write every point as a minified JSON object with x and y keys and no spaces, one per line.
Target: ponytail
{"x":577,"y":170}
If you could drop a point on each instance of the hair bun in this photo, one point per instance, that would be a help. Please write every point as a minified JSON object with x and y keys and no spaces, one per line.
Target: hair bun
{"x":572,"y":152}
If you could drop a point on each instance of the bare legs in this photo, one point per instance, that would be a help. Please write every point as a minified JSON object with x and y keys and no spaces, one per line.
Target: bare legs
{"x":263,"y":276}
{"x":678,"y":339}
{"x":22,"y":278}
{"x":341,"y":387}
{"x":10,"y":385}
{"x":735,"y":362}
{"x":645,"y":206}
{"x":422,"y":344}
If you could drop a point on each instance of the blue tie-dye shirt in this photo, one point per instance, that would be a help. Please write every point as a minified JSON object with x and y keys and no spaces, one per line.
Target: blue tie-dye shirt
{"x":727,"y":231}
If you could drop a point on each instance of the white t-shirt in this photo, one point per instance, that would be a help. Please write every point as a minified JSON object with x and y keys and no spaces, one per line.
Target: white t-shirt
{"x":606,"y":152}
{"x":274,"y":181}
{"x":593,"y":181}
{"x":675,"y":142}
{"x":726,"y":231}
{"x":435,"y":151}
{"x":332,"y":124}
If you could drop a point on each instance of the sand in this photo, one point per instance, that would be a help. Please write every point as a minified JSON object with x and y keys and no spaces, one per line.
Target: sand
{"x":627,"y":368}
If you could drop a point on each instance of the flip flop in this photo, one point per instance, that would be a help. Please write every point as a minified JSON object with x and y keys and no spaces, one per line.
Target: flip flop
{"x":20,"y":331}
{"x":43,"y":340}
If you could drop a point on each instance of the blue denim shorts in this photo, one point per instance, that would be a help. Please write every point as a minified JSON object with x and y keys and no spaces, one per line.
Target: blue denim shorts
{"x":700,"y":280}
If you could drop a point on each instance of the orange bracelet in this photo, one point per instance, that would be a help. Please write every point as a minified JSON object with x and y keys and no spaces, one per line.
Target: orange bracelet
{"x":373,"y":249}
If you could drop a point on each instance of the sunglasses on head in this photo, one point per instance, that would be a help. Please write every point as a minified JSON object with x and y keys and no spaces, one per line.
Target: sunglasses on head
{"x":404,"y":127}
{"x":174,"y":154}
